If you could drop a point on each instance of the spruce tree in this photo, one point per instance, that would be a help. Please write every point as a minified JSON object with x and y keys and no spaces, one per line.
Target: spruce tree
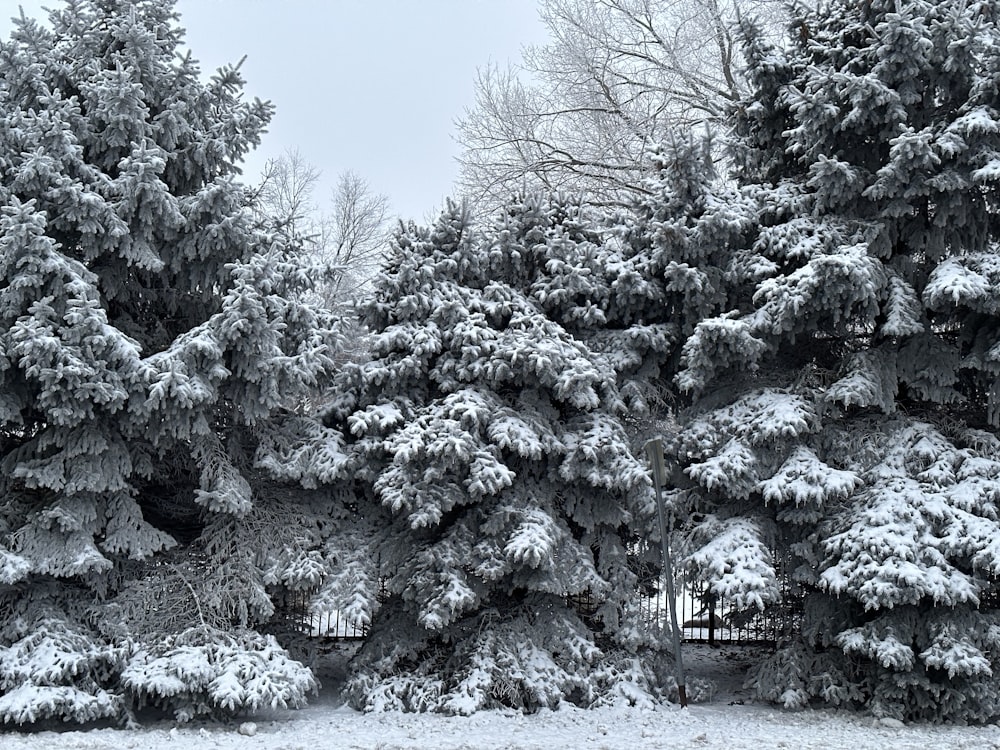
{"x":843,"y":415}
{"x":503,"y":506}
{"x":150,"y":337}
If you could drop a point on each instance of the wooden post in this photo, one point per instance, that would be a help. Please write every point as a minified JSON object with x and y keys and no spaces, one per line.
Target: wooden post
{"x":654,"y":451}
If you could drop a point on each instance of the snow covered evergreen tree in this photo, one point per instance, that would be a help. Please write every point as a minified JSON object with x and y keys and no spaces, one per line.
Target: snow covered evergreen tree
{"x":502,"y":502}
{"x":150,"y":336}
{"x":845,"y":391}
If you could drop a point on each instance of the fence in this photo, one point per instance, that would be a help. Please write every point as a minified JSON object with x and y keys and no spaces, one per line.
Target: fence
{"x":702,"y":619}
{"x":706,"y":620}
{"x":330,"y":625}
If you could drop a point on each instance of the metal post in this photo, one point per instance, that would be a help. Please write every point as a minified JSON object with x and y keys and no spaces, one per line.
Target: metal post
{"x":654,"y":451}
{"x":711,"y":621}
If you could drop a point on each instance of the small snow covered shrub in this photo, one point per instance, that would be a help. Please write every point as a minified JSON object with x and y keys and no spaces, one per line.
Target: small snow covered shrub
{"x":798,"y":674}
{"x":53,"y":664}
{"x":204,"y":671}
{"x":623,"y":678}
{"x":928,"y":663}
{"x":914,"y":663}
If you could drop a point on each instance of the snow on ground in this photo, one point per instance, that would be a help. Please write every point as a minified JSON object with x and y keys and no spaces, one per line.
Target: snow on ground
{"x":730,"y":721}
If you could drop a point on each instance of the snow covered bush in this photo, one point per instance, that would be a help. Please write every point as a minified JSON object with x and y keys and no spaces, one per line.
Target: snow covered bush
{"x":486,"y":442}
{"x":208,"y":671}
{"x":843,"y":382}
{"x":53,"y":664}
{"x":150,"y":337}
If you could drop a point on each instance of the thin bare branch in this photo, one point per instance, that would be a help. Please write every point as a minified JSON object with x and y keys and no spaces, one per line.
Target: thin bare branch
{"x":615,"y":79}
{"x":345,"y":242}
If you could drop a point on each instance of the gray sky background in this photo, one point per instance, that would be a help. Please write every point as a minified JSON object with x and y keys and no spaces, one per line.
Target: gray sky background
{"x":373,"y":86}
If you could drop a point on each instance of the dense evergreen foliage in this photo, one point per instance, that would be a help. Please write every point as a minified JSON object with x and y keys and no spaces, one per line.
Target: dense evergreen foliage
{"x":820,"y":329}
{"x":148,"y":333}
{"x":486,"y":442}
{"x":844,"y":394}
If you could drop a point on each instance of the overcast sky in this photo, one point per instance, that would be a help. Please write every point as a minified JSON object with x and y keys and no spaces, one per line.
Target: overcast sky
{"x":373,"y":86}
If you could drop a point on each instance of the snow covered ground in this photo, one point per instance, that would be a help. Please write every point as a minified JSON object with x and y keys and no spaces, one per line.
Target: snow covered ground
{"x":729,"y":722}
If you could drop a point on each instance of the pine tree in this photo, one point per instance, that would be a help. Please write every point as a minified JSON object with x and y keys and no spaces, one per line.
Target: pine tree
{"x":150,"y":337}
{"x":504,"y":508}
{"x":842,"y":427}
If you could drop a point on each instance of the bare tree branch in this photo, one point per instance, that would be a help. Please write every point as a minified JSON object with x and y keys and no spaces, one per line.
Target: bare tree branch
{"x":616,"y":78}
{"x":347,"y":240}
{"x":358,"y":229}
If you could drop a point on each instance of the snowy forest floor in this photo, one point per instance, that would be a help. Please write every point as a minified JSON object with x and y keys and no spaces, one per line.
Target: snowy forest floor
{"x":730,"y":720}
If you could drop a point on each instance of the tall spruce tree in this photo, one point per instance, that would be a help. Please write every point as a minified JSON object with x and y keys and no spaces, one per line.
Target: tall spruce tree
{"x":485,"y":437}
{"x":844,"y":407}
{"x":150,"y":336}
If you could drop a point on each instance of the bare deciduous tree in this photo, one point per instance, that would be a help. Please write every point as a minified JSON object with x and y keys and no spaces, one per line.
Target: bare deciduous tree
{"x":286,"y":192}
{"x":580,"y":112}
{"x":348,"y":239}
{"x":357,"y":232}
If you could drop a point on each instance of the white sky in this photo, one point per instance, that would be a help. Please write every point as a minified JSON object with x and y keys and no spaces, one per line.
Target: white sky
{"x":373,"y":86}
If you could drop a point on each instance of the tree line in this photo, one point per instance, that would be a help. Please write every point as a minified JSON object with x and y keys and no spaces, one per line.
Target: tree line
{"x":804,"y":307}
